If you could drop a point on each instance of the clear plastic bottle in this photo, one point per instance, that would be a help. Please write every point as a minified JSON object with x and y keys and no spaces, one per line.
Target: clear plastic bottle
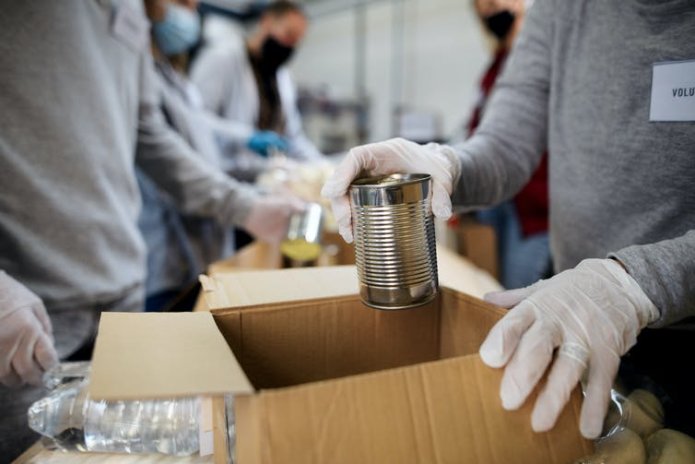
{"x":74,"y":422}
{"x":154,"y":426}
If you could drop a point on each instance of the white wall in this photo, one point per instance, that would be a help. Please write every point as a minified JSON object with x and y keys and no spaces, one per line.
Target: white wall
{"x":443,"y":58}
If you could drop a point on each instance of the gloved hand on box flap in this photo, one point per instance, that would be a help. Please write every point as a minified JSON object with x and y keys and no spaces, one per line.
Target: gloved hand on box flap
{"x":390,"y":157}
{"x":26,"y":335}
{"x":269,"y":217}
{"x":592,"y":314}
{"x":262,"y":142}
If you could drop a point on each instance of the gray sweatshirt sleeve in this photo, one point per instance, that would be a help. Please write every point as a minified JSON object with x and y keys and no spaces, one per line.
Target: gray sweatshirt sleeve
{"x":507,"y":146}
{"x":665,"y":270}
{"x":197,"y":187}
{"x":206,"y":73}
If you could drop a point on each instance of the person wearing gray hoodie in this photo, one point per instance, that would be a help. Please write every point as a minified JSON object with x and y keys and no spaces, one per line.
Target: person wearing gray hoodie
{"x":80,"y":108}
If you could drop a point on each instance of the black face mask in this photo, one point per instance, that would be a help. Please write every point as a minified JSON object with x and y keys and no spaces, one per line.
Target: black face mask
{"x":274,"y":54}
{"x":500,"y":23}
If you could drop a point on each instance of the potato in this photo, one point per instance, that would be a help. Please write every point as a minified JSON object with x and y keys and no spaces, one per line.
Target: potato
{"x":649,"y":404}
{"x":645,"y":413}
{"x":624,"y":447}
{"x":670,"y":447}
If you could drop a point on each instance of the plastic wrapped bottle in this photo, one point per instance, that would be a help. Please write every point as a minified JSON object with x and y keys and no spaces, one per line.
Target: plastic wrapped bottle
{"x":154,"y":426}
{"x":74,"y":422}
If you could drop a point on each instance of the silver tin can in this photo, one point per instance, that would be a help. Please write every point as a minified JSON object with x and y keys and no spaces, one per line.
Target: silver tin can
{"x":395,"y":245}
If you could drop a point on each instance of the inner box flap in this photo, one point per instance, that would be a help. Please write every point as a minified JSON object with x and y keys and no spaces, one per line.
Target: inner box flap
{"x":277,"y":285}
{"x":291,"y":343}
{"x":286,"y":344}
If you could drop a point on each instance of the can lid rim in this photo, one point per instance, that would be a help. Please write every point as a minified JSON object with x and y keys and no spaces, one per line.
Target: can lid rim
{"x":390,"y":180}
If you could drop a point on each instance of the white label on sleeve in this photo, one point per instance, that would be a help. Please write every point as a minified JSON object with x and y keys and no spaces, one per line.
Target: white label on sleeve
{"x":130,"y":26}
{"x":673,"y":91}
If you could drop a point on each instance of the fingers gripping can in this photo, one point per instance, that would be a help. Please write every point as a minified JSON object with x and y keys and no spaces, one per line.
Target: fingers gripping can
{"x":395,"y":247}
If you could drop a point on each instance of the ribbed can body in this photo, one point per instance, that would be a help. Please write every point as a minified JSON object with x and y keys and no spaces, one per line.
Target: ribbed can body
{"x":395,"y":246}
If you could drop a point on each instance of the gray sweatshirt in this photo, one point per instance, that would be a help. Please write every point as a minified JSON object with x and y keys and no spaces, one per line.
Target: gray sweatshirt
{"x":579,"y":83}
{"x":78,"y":99}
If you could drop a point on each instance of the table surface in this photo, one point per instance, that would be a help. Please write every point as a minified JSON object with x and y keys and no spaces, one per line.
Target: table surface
{"x":468,"y":279}
{"x":38,"y":455}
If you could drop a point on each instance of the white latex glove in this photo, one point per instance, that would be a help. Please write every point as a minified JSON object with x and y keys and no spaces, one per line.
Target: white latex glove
{"x":270,"y":215}
{"x":26,"y":335}
{"x":592,"y":313}
{"x":391,"y":157}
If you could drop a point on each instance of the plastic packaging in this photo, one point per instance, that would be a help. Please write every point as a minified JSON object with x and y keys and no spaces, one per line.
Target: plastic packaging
{"x":640,"y":412}
{"x":73,"y":422}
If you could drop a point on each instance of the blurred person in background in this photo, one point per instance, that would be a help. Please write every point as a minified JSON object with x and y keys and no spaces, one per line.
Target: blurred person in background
{"x":181,"y":246}
{"x":602,"y":86}
{"x":521,"y":224}
{"x":248,"y":83}
{"x":80,"y":107}
{"x":224,"y":20}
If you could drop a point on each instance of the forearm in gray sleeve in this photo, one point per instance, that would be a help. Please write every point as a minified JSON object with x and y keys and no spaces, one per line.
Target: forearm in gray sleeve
{"x":197,"y":187}
{"x":210,"y":74}
{"x":664,"y":270}
{"x":228,"y":131}
{"x":507,"y":147}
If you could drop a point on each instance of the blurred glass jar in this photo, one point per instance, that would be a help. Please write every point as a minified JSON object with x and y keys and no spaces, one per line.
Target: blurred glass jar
{"x":302,"y":244}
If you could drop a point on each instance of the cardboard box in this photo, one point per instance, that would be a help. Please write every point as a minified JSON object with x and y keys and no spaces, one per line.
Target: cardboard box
{"x":331,"y":381}
{"x":259,"y":255}
{"x":478,"y":243}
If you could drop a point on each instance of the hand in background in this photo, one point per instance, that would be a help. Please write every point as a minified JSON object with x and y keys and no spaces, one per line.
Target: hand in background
{"x":269,"y":217}
{"x":26,"y":335}
{"x":263,"y":142}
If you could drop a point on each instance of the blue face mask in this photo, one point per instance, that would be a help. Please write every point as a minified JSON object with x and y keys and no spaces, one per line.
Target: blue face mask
{"x":178,"y":31}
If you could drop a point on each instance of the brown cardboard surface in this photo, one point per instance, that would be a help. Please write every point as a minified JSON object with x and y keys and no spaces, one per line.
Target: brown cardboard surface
{"x":440,"y":412}
{"x":342,"y":383}
{"x":465,"y":322}
{"x":257,"y":255}
{"x":155,"y":355}
{"x":478,"y":243}
{"x":335,"y":381}
{"x":459,"y":273}
{"x":220,"y":429}
{"x":291,"y":343}
{"x":345,"y":251}
{"x":261,"y":287}
{"x":255,"y":287}
{"x":200,"y":303}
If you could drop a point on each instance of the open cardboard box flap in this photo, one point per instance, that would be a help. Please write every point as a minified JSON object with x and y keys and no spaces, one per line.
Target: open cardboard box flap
{"x":248,"y":288}
{"x":162,"y":355}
